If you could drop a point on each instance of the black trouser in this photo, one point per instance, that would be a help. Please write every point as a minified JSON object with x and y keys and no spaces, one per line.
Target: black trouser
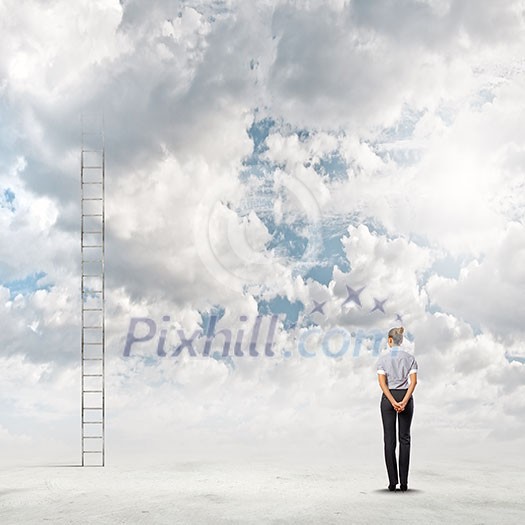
{"x":389,"y":416}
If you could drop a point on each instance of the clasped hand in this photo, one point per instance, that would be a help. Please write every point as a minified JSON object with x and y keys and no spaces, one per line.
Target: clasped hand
{"x":399,"y":406}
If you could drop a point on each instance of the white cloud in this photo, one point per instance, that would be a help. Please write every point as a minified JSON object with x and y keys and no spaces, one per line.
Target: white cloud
{"x":489,"y":293}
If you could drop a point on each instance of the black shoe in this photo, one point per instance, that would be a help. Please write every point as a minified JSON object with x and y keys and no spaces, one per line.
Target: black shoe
{"x":391,"y":487}
{"x":403,"y":487}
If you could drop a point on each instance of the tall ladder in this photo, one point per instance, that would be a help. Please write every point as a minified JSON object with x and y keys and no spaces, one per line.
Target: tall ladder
{"x":92,"y":171}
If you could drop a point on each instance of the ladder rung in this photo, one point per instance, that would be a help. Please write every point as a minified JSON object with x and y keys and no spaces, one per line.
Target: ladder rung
{"x":92,"y":437}
{"x":91,"y":182}
{"x":92,"y":327}
{"x":92,"y":422}
{"x":92,"y":215}
{"x":92,"y":246}
{"x":92,"y":151}
{"x":93,"y":375}
{"x":92,"y":452}
{"x":92,"y":391}
{"x":92,"y":358}
{"x":92,"y":198}
{"x":92,"y":231}
{"x":92,"y":309}
{"x":92,"y":260}
{"x":92,"y":275}
{"x":91,"y":291}
{"x":93,"y":408}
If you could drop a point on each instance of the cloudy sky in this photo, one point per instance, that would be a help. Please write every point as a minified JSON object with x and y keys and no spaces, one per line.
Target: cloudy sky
{"x":343,"y":166}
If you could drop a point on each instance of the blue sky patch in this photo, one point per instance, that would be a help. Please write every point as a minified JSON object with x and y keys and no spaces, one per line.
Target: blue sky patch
{"x":7,"y":199}
{"x":216,"y":310}
{"x":281,"y":305}
{"x":286,"y":239}
{"x":27,"y":285}
{"x":332,"y":253}
{"x":332,"y":166}
{"x":259,"y":132}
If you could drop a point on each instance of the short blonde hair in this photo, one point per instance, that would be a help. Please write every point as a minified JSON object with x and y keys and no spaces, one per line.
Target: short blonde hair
{"x":396,"y":334}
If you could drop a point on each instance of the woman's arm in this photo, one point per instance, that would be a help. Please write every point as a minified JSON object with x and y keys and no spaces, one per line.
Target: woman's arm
{"x":413,"y":383}
{"x":386,"y":391}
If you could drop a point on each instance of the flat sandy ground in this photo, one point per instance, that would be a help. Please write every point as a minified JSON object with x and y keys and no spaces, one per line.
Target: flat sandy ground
{"x":260,"y":491}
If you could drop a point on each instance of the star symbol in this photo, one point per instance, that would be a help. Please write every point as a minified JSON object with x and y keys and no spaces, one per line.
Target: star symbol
{"x":318,"y":307}
{"x":379,"y":305}
{"x":399,"y":318}
{"x":353,"y":295}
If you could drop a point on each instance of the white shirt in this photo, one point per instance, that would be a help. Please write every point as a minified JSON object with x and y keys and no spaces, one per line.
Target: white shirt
{"x":397,"y":365}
